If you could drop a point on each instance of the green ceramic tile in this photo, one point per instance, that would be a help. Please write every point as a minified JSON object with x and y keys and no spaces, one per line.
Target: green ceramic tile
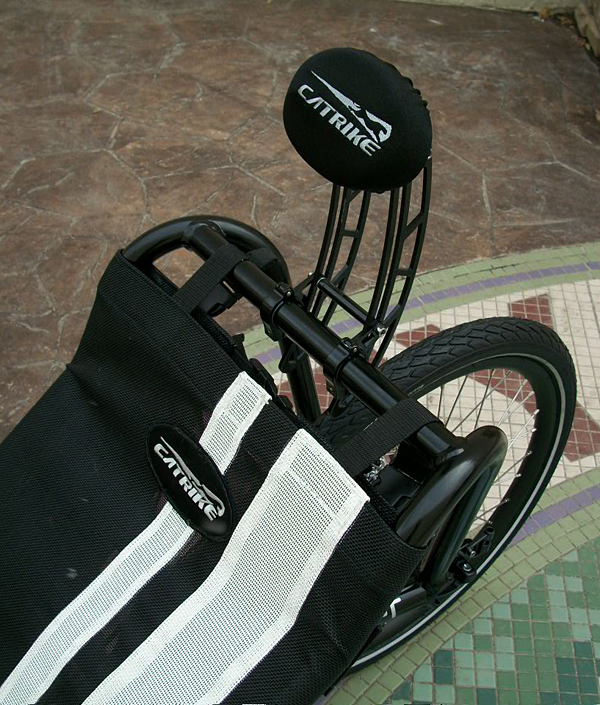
{"x":526,"y":681}
{"x":508,"y":697}
{"x":502,"y":627}
{"x":520,"y":611}
{"x":561,"y":631}
{"x":575,"y":599}
{"x":465,"y":696}
{"x":557,"y":598}
{"x":545,"y":663}
{"x":527,"y":697}
{"x":486,"y":696}
{"x":525,"y":663}
{"x":565,"y":666}
{"x":504,"y":644}
{"x":536,"y":582}
{"x":483,"y":643}
{"x":542,"y":646}
{"x":403,"y":691}
{"x":563,"y":648}
{"x":506,"y":681}
{"x":523,"y":645}
{"x":594,"y":616}
{"x":573,"y":584}
{"x":463,"y":641}
{"x":465,"y":677}
{"x":549,"y":699}
{"x":484,"y":660}
{"x":485,"y":678}
{"x":464,"y":659}
{"x":585,"y":667}
{"x":555,"y":582}
{"x":567,"y":684}
{"x":572,"y":568}
{"x":559,"y":614}
{"x":482,"y":626}
{"x":443,"y":659}
{"x":583,"y":649}
{"x":505,"y":662}
{"x":423,"y":692}
{"x":522,"y":629}
{"x":540,"y":613}
{"x":444,"y":694}
{"x":520,"y":596}
{"x":547,"y":681}
{"x":443,"y":675}
{"x":423,"y":674}
{"x":538,"y":597}
{"x":588,"y":700}
{"x":501,"y":611}
{"x":541,"y":630}
{"x":581,"y":631}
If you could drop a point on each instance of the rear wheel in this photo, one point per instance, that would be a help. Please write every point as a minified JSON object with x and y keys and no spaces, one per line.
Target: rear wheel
{"x":506,"y":372}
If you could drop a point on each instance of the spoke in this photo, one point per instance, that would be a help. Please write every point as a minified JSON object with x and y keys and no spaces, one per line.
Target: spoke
{"x":479,"y":404}
{"x":512,"y":401}
{"x":505,"y":472}
{"x":439,"y":411}
{"x":456,"y":400}
{"x":523,"y":429}
{"x":513,"y":411}
{"x":484,"y":398}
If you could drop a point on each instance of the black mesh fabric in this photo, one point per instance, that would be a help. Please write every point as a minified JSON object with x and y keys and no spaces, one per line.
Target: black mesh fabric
{"x":343,"y":608}
{"x":77,"y":488}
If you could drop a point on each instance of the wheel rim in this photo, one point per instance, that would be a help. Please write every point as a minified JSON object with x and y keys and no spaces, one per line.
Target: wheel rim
{"x":533,"y":417}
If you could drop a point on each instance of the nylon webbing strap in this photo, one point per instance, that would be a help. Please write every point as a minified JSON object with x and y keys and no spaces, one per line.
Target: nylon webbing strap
{"x":210,"y":274}
{"x":386,"y":432}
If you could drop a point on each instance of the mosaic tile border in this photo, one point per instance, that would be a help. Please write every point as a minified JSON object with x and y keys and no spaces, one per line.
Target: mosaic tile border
{"x":522,"y":561}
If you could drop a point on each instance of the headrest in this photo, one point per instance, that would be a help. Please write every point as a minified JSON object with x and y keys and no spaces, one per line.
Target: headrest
{"x":357,"y":121}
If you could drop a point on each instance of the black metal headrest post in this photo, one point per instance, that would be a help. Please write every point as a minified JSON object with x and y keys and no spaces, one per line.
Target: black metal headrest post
{"x":325,"y":289}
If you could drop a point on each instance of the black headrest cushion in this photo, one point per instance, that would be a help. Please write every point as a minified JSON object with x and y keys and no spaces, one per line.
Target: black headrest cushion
{"x":357,"y":121}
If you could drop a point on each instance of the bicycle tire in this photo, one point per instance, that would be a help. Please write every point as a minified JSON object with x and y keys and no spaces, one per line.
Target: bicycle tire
{"x":523,"y":347}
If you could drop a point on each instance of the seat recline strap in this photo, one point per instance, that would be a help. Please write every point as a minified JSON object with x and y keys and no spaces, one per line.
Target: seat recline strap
{"x":210,"y":274}
{"x":389,"y":430}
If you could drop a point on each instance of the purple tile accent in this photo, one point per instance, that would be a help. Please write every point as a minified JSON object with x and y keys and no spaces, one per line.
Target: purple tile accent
{"x":570,"y":505}
{"x":542,"y":518}
{"x":522,"y":534}
{"x":594,"y":492}
{"x":557,"y":511}
{"x":572,"y":268}
{"x":564,"y":508}
{"x":524,"y":277}
{"x":269,"y":356}
{"x":593,"y":265}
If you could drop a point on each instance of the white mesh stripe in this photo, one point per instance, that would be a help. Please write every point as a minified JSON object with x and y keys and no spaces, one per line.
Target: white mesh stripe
{"x":210,"y":643}
{"x":137,"y":563}
{"x":94,"y":607}
{"x":232,"y":417}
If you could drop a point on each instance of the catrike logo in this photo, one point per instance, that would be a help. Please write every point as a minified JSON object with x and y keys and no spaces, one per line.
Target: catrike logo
{"x":191,"y":481}
{"x":371,"y":130}
{"x":210,"y":504}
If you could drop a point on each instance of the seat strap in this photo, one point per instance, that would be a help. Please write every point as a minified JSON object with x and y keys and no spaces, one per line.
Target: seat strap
{"x":387,"y":431}
{"x":210,"y":274}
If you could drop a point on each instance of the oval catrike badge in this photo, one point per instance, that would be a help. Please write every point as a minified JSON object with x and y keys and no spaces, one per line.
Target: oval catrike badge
{"x":191,"y":481}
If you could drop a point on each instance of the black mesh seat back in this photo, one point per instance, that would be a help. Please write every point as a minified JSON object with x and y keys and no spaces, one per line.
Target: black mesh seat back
{"x":357,"y":121}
